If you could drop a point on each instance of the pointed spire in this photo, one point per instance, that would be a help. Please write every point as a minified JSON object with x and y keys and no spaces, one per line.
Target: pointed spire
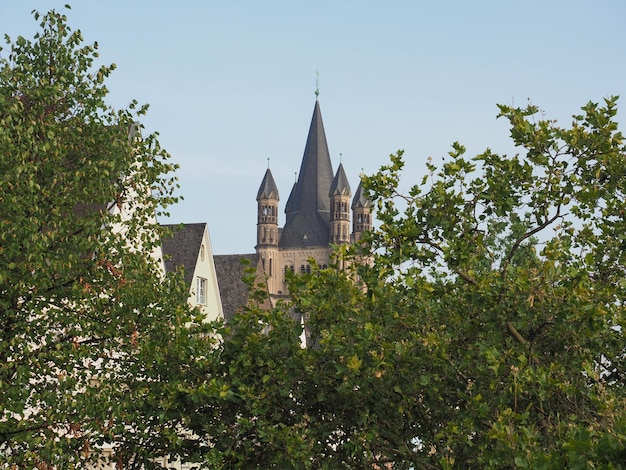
{"x":360,"y":199}
{"x":340,"y":184}
{"x":268,"y":188}
{"x":309,"y":206}
{"x":316,"y":172}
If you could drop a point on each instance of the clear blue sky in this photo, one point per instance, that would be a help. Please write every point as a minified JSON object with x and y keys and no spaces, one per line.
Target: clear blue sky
{"x":231,"y":83}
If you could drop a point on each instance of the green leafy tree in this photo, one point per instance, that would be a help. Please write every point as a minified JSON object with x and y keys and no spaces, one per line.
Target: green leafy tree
{"x":485,"y":329}
{"x":92,"y":335}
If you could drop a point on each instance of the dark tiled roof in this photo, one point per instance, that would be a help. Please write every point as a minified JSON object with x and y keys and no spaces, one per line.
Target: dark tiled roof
{"x":183,"y":247}
{"x":288,"y":208}
{"x":360,"y":199}
{"x":233,"y":291}
{"x":308,"y":207}
{"x":340,"y":184}
{"x":268,"y":189}
{"x":306,"y":229}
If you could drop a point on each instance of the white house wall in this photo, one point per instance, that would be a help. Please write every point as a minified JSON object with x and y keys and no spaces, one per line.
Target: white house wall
{"x":205,"y":268}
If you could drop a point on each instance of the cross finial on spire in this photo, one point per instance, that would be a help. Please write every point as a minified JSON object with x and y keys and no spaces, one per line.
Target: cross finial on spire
{"x":340,"y":158}
{"x":295,"y":176}
{"x":268,"y":163}
{"x":317,"y":84}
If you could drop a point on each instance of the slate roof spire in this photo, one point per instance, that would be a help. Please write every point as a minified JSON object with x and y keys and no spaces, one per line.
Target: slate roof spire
{"x":268,"y":188}
{"x":340,"y":185}
{"x":308,"y":207}
{"x":360,"y":199}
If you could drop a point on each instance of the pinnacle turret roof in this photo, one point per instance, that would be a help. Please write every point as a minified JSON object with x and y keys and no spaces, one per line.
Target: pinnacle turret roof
{"x":340,"y":185}
{"x":360,"y":199}
{"x":268,"y":188}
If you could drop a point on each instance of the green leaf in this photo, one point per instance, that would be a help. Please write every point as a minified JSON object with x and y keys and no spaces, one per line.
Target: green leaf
{"x":354,"y":363}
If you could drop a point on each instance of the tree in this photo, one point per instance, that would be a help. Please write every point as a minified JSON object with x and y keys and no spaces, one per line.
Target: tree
{"x":93,"y":336}
{"x":486,"y":328}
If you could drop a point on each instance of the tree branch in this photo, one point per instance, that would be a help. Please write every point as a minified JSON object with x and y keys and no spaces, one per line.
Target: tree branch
{"x":516,"y":334}
{"x":526,"y":236}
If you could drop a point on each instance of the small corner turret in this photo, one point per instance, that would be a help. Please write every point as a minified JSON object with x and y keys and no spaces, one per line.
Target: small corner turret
{"x":339,"y":225}
{"x":267,"y":211}
{"x":361,"y":213}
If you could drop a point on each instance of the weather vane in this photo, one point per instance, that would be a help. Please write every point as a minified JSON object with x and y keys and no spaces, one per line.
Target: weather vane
{"x":317,"y":84}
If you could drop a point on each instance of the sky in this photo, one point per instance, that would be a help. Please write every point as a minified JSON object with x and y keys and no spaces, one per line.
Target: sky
{"x":231,"y":83}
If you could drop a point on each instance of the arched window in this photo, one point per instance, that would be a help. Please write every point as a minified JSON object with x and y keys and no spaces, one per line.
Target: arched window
{"x":288,"y":267}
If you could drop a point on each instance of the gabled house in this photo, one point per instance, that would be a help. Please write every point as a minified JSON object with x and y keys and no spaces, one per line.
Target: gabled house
{"x":189,"y":247}
{"x":234,"y":292}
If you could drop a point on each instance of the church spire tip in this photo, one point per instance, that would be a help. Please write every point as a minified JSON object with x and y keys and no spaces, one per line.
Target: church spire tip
{"x":317,"y":85}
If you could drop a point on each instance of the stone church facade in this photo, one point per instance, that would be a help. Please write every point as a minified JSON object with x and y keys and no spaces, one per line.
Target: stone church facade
{"x":321,"y":211}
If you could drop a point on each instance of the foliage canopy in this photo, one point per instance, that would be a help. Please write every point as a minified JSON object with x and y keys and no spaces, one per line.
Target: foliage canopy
{"x":484,"y":330}
{"x":481,"y":325}
{"x":92,"y":335}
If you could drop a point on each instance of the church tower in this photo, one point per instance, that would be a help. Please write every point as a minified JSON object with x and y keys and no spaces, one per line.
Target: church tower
{"x":267,"y":223}
{"x":317,"y":213}
{"x":339,"y":212}
{"x":361,"y":214}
